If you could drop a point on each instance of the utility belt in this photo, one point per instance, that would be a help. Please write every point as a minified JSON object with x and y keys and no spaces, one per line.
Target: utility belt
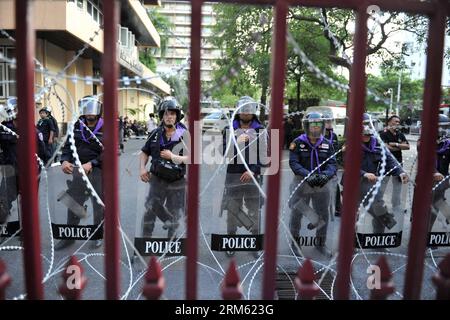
{"x":167,"y":170}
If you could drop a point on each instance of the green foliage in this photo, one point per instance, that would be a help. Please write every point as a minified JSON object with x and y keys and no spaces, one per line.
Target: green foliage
{"x":163,"y":25}
{"x":236,"y":29}
{"x":148,"y":60}
{"x":133,"y":111}
{"x":411,"y":90}
{"x":179,"y":87}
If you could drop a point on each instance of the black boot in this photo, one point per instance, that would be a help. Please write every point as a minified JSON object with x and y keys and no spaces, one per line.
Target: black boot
{"x":62,"y":244}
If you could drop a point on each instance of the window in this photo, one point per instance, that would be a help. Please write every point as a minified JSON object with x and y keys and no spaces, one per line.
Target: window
{"x":94,"y":9}
{"x":80,"y":4}
{"x":89,"y":8}
{"x":11,"y":72}
{"x":7,"y":74}
{"x":2,"y":77}
{"x":124,"y":36}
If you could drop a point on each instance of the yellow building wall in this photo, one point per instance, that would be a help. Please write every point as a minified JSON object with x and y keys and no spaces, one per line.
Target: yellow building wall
{"x":54,"y":59}
{"x":141,"y":104}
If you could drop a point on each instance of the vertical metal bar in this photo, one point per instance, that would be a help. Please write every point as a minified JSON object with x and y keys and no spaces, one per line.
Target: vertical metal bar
{"x":110,"y":71}
{"x":353,"y":154}
{"x":276,"y":123}
{"x":27,"y":164}
{"x":427,"y":154}
{"x":193,"y":167}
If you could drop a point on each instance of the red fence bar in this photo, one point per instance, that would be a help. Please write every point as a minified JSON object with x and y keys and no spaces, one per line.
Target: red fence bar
{"x":71,"y":288}
{"x":386,"y":283}
{"x":110,"y":72}
{"x":231,"y":286}
{"x":154,"y":280}
{"x":353,"y":154}
{"x":276,"y":123}
{"x":441,"y":279}
{"x":27,"y":150}
{"x":5,"y":280}
{"x":427,"y":153}
{"x":306,"y":288}
{"x":193,"y":168}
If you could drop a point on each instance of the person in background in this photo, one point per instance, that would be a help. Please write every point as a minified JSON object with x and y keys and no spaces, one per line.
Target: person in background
{"x":396,"y":142}
{"x":151,"y":123}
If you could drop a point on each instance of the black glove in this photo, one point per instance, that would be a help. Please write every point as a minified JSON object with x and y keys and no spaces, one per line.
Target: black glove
{"x":312,"y":180}
{"x":322,"y":180}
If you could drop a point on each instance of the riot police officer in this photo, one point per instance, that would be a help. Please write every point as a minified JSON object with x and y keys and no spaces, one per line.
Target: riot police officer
{"x":307,"y":152}
{"x":8,"y":156}
{"x":46,"y":126}
{"x":439,"y":202}
{"x":88,"y":135}
{"x":239,"y":188}
{"x":370,"y":171}
{"x":167,"y":147}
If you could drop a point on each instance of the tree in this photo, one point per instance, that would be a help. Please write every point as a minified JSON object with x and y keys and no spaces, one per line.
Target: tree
{"x":179,"y":87}
{"x":163,"y":26}
{"x":245,"y":35}
{"x":244,"y":32}
{"x":411,"y":90}
{"x":315,"y":46}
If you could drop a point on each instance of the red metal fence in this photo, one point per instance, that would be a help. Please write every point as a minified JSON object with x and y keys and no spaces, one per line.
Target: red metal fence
{"x":437,"y":11}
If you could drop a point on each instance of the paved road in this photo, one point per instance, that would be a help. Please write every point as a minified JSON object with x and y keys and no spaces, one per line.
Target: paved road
{"x":212,"y":265}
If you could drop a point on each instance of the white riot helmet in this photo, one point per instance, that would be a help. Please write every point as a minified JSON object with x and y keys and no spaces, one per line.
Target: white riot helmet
{"x":90,"y":105}
{"x":368,"y":128}
{"x":312,"y":120}
{"x":8,"y":111}
{"x":246,"y":104}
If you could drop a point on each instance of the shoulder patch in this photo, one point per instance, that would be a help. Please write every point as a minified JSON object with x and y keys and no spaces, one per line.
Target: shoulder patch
{"x":292,"y":146}
{"x":325,"y":146}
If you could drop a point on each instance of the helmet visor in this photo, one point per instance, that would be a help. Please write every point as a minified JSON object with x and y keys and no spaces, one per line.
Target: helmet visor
{"x":90,"y":106}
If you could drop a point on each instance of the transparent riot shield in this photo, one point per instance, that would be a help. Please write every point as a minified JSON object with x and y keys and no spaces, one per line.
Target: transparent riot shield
{"x":234,"y":218}
{"x":160,"y":217}
{"x":240,"y":216}
{"x":381,"y":213}
{"x":9,"y":204}
{"x":76,"y":212}
{"x":439,"y":224}
{"x":311,"y":217}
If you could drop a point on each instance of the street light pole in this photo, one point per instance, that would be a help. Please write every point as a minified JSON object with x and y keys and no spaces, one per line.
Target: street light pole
{"x":398,"y":93}
{"x":391,"y":91}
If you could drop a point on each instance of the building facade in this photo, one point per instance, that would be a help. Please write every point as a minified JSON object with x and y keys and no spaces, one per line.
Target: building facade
{"x":178,"y":47}
{"x":65,"y":27}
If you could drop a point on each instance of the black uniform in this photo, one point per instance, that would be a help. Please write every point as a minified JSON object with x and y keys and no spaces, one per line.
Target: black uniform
{"x":236,"y":192}
{"x":387,"y":136}
{"x":89,"y":150}
{"x":8,"y":162}
{"x":55,"y":125}
{"x":45,"y":126}
{"x":371,"y":163}
{"x":166,"y":197}
{"x":288,"y":128}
